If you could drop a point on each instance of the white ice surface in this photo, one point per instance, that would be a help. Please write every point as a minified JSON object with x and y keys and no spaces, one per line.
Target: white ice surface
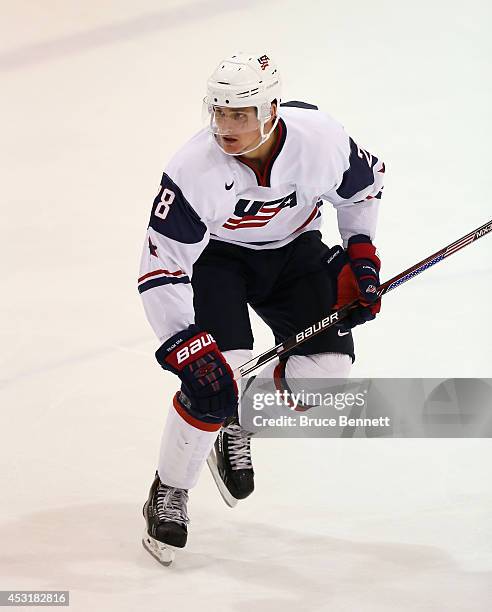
{"x":95,"y":97}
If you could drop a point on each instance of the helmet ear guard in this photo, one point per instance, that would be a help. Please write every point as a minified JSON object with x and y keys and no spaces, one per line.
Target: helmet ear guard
{"x":264,"y":112}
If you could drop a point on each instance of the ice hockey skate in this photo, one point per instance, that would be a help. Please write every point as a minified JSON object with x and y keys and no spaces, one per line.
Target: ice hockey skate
{"x":230,"y":463}
{"x":166,"y":517}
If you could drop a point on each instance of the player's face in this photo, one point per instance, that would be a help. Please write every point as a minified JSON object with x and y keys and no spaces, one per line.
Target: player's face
{"x":236,"y":129}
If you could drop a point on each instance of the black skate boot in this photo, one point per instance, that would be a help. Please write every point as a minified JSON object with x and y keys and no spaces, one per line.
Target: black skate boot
{"x":230,"y":463}
{"x":167,"y":520}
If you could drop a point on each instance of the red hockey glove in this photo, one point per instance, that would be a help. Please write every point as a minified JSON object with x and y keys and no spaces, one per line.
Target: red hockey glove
{"x":356,"y":272}
{"x":207,"y":379}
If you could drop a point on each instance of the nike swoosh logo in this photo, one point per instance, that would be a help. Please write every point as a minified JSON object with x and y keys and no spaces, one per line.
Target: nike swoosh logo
{"x":341,"y":333}
{"x":229,"y":187}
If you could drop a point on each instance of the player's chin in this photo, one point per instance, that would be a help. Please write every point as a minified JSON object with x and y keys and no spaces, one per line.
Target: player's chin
{"x":230,"y":144}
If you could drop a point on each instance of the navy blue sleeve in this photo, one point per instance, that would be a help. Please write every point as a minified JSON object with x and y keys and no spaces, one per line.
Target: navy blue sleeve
{"x":360,"y":174}
{"x":173,"y":216}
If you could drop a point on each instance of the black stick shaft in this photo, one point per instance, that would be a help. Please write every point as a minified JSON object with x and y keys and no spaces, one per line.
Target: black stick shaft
{"x":340,"y":314}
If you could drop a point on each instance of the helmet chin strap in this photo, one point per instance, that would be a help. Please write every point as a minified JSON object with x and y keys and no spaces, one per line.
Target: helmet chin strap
{"x":263,"y":139}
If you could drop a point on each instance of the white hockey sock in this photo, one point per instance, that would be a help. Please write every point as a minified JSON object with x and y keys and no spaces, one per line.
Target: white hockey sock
{"x":186,"y":441}
{"x":321,"y":365}
{"x":185,"y":446}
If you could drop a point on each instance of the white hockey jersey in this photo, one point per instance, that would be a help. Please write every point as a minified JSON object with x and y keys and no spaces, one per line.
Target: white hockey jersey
{"x":206,"y":194}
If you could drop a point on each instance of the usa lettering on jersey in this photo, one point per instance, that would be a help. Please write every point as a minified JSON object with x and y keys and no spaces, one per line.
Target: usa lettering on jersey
{"x":254,"y":213}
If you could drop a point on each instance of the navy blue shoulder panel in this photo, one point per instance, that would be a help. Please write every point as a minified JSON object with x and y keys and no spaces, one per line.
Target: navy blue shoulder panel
{"x":359,"y":175}
{"x":173,"y":216}
{"x":298,"y":104}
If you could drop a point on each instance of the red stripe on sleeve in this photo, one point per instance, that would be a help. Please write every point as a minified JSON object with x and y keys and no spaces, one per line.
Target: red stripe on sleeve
{"x":156,"y":272}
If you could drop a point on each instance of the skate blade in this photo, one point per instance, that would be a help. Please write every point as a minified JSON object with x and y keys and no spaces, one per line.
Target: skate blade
{"x":161,"y":552}
{"x":226,"y":496}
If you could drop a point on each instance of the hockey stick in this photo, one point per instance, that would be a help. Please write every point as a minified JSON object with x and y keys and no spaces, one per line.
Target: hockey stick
{"x":340,"y":314}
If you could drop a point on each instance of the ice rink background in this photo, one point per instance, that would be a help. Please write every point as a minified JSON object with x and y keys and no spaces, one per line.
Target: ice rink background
{"x":95,"y":97}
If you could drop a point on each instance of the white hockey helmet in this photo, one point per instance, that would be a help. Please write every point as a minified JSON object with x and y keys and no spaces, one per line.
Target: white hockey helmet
{"x":244,"y":80}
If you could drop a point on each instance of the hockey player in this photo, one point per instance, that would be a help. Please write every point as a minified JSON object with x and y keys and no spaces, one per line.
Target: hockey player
{"x":236,"y":222}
